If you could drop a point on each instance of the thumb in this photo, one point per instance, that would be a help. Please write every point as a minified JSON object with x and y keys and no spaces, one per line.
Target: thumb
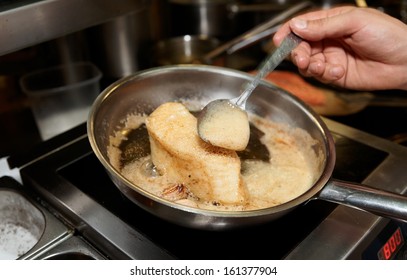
{"x":318,"y":29}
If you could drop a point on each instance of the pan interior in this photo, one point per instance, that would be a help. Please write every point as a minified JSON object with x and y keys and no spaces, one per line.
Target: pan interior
{"x":195,"y":86}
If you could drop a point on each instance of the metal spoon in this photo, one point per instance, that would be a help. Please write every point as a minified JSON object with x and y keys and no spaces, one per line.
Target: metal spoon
{"x":224,"y":123}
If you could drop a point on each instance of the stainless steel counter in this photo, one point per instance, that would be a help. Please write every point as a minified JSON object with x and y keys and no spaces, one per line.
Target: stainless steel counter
{"x":27,"y":23}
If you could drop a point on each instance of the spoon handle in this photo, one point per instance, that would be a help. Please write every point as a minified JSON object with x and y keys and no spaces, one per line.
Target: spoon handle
{"x":290,"y":42}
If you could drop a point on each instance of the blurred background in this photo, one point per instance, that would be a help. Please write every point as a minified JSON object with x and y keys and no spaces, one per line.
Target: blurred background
{"x":56,"y":56}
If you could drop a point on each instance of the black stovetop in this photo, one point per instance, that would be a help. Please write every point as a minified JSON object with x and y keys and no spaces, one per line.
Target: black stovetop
{"x":68,"y":176}
{"x":270,"y":241}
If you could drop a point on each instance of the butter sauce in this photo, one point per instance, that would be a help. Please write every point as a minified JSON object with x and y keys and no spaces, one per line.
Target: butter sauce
{"x":224,"y":125}
{"x":292,"y":168}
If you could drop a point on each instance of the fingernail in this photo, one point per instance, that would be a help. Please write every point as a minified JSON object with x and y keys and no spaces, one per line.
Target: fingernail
{"x":299,"y":23}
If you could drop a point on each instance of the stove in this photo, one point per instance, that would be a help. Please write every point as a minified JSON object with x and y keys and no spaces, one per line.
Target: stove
{"x":73,"y":185}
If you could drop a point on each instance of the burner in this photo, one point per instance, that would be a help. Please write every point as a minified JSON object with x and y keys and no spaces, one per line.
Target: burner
{"x":73,"y":182}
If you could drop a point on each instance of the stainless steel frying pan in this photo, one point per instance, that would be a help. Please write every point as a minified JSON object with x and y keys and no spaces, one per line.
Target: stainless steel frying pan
{"x":144,"y":91}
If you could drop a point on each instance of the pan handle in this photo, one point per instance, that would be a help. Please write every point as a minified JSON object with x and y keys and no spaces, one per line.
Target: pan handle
{"x":366,"y":198}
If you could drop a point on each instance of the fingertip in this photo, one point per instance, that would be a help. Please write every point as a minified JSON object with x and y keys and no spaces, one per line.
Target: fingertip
{"x":336,"y":72}
{"x":278,"y":38}
{"x":299,"y":59}
{"x":316,"y":68}
{"x":281,"y":34}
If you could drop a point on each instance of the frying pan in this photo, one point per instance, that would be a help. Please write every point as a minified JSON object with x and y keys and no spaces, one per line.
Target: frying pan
{"x":199,"y":84}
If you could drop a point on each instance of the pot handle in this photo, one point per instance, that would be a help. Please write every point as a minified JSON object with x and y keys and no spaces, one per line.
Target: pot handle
{"x":250,"y":36}
{"x":366,"y":198}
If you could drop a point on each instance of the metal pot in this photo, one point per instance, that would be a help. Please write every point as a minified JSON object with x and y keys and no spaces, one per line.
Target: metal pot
{"x":203,"y":17}
{"x":222,"y":19}
{"x":183,"y":50}
{"x":207,"y":50}
{"x":144,"y":91}
{"x":197,"y":49}
{"x":121,"y":45}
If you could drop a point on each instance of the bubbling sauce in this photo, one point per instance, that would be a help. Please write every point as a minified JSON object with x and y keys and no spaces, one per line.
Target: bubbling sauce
{"x":293,"y":166}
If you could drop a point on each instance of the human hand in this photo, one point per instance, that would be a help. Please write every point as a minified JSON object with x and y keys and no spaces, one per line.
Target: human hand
{"x":355,"y":48}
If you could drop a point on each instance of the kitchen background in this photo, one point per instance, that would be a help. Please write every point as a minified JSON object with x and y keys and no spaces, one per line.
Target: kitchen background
{"x":56,"y":57}
{"x":119,"y":40}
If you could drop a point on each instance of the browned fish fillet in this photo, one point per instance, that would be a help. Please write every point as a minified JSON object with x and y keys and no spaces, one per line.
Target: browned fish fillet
{"x":210,"y":173}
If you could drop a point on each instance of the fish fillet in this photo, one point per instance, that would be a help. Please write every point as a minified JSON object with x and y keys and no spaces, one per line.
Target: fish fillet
{"x":210,"y":173}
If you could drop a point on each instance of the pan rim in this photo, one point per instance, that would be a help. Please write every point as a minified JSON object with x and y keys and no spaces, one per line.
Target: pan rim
{"x":311,"y":193}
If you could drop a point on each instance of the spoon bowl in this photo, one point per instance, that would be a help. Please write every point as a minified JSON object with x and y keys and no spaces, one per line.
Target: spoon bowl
{"x":225,"y":123}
